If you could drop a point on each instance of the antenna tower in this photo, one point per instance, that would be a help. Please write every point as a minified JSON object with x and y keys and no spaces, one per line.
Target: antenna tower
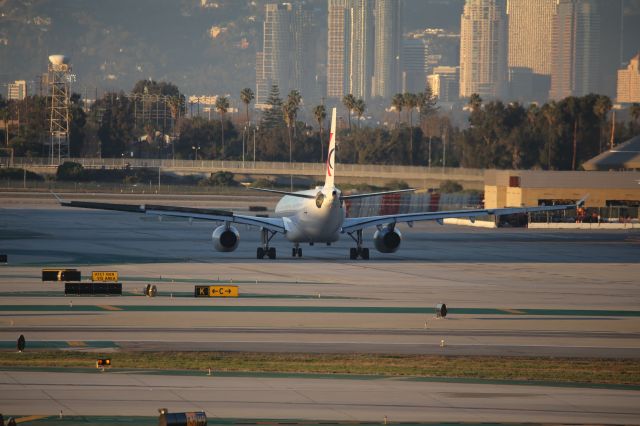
{"x":59,"y":80}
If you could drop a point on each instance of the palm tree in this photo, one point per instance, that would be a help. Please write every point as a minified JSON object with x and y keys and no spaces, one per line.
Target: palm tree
{"x":410,"y":101}
{"x":349,"y":101}
{"x":246,"y":96}
{"x":601,"y":109}
{"x":398,"y":102}
{"x":290,"y":111}
{"x":320,"y":113}
{"x":294,"y":98}
{"x":222,"y":106}
{"x":635,"y":111}
{"x":359,"y":108}
{"x":475,"y":101}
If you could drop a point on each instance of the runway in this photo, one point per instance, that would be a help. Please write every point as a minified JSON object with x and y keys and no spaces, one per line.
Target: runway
{"x":400,"y":400}
{"x":510,"y":292}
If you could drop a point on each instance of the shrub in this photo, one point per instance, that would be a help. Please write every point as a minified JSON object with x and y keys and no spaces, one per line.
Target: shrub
{"x":450,"y":186}
{"x":219,"y":179}
{"x":13,"y":173}
{"x":69,"y":171}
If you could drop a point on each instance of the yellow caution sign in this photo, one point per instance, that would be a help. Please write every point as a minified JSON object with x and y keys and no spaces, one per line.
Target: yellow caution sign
{"x":216,"y":291}
{"x":104,"y":276}
{"x":223,"y":291}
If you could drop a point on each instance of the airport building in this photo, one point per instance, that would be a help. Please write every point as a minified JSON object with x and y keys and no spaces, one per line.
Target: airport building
{"x":516,"y":188}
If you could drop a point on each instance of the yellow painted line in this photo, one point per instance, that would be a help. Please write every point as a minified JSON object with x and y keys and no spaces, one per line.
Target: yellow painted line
{"x":109,"y":308}
{"x":76,"y":343}
{"x":30,"y":418}
{"x":513,"y":311}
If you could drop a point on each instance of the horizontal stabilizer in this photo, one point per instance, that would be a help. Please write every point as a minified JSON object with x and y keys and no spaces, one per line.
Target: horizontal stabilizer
{"x":373,"y":194}
{"x":275,"y":191}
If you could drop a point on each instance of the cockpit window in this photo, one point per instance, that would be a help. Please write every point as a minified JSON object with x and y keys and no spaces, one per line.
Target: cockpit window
{"x":319,"y":199}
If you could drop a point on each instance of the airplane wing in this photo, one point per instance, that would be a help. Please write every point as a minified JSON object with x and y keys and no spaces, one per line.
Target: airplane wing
{"x":357,"y":223}
{"x":273,"y":224}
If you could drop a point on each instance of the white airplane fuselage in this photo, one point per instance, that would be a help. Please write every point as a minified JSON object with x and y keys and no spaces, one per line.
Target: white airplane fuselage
{"x":309,"y":220}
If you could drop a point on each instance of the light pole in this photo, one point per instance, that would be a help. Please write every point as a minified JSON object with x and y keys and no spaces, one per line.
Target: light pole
{"x":254,"y":146}
{"x":196,"y":148}
{"x":429,"y":153}
{"x":244,"y":132}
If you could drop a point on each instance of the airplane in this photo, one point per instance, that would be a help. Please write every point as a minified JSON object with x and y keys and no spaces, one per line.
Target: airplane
{"x":312,"y":216}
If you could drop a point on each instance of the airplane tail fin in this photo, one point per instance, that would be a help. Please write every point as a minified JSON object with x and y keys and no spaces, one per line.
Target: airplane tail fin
{"x":331,"y":156}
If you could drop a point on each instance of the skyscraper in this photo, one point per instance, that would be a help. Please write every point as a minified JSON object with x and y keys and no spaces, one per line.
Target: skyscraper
{"x":361,"y":48}
{"x":530,"y":32}
{"x":444,"y":83}
{"x":388,"y":36}
{"x":278,"y":44}
{"x":288,"y":56}
{"x":337,"y":48}
{"x":17,"y":90}
{"x":575,"y":49}
{"x":415,"y":66}
{"x":629,"y":82}
{"x":483,"y":49}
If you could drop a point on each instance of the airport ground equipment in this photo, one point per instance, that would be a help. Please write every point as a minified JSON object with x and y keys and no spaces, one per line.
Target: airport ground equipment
{"x":216,"y":291}
{"x":196,"y":418}
{"x":93,"y":288}
{"x":61,"y":275}
{"x":441,"y":310}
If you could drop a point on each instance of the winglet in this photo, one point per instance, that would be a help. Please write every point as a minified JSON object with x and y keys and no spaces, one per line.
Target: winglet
{"x":60,"y":199}
{"x":582,"y":200}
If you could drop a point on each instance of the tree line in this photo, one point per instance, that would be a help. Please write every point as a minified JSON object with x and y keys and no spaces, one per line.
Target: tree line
{"x":558,"y":135}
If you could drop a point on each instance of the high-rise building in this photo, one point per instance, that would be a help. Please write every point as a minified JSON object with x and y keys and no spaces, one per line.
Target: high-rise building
{"x":629,"y":82}
{"x":575,"y":49}
{"x":483,"y":49}
{"x":17,"y":90}
{"x":361,"y":50}
{"x":262,"y":84}
{"x":337,"y":48}
{"x":288,"y":56}
{"x":610,"y":55}
{"x":445,"y":83}
{"x":387,"y":58}
{"x":415,"y":66}
{"x":530,"y":32}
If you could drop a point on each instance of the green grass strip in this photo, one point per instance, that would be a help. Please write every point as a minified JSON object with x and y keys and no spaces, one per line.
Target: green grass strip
{"x":417,"y":367}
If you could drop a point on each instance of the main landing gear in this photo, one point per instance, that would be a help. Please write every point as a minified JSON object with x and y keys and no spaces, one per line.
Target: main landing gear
{"x":265,"y":250}
{"x":358,"y":251}
{"x":296,"y":251}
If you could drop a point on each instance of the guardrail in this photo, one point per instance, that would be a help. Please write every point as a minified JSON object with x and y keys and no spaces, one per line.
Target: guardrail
{"x":207,"y":165}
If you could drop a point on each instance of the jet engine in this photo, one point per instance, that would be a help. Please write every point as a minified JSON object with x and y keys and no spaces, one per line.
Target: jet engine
{"x":225,"y":238}
{"x":387,"y":239}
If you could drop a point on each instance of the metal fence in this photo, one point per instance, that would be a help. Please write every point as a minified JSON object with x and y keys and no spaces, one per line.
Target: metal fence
{"x":203,"y":165}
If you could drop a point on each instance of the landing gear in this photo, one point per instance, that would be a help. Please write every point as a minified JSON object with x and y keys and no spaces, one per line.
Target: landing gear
{"x":358,"y":251}
{"x":296,"y":251}
{"x":265,"y":250}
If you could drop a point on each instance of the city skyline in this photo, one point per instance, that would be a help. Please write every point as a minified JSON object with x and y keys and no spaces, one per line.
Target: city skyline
{"x":326,"y":49}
